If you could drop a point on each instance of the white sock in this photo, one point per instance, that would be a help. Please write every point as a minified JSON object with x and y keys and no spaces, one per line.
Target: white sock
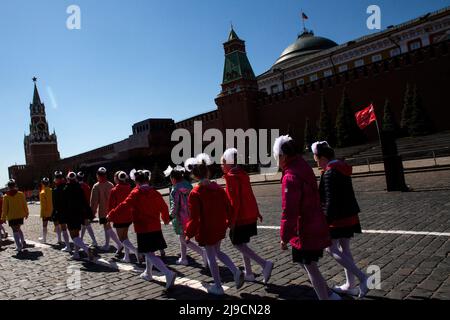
{"x":44,"y":233}
{"x":91,"y":233}
{"x":83,"y":231}
{"x":250,"y":254}
{"x":115,"y":238}
{"x":183,"y":248}
{"x":148,"y":266}
{"x":22,"y":237}
{"x":58,"y":232}
{"x":106,"y":238}
{"x":127,"y":254}
{"x":128,"y":245}
{"x":212,"y":263}
{"x":157,"y":262}
{"x":16,"y":236}
{"x":78,"y":242}
{"x":66,"y":238}
{"x":226,"y":261}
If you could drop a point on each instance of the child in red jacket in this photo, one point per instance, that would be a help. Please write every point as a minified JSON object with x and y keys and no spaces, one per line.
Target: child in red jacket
{"x":210,"y":212}
{"x":303,"y":224}
{"x":245,"y":213}
{"x":122,"y":222}
{"x":148,"y":208}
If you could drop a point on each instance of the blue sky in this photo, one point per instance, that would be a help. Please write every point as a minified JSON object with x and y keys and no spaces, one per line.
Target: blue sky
{"x":138,"y":59}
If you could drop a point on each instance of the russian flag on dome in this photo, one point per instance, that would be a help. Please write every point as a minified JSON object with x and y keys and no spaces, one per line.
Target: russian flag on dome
{"x":304,"y":16}
{"x":365,"y":117}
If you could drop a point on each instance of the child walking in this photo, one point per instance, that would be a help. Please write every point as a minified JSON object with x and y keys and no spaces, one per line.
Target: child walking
{"x":99,"y":201}
{"x":74,"y":212}
{"x":303,"y":223}
{"x":245,"y":214}
{"x":179,"y":212}
{"x":15,"y":210}
{"x":90,"y":216}
{"x":46,"y":201}
{"x":122,"y":222}
{"x":210,"y":212}
{"x":58,"y":208}
{"x":341,"y":209}
{"x":148,"y":208}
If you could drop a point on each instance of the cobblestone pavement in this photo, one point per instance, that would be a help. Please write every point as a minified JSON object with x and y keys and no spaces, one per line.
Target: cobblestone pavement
{"x":413,"y":266}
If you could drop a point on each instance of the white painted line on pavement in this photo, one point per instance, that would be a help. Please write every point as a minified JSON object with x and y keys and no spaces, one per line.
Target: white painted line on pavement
{"x":422,"y":233}
{"x":120,"y":266}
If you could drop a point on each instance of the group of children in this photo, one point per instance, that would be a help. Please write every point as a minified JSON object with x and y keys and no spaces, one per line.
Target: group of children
{"x":314,"y":218}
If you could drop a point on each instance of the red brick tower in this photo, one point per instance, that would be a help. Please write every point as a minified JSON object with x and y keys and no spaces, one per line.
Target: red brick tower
{"x":41,"y":147}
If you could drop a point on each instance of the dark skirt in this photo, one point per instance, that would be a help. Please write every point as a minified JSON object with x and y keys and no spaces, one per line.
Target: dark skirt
{"x":15,"y":222}
{"x":57,"y":218}
{"x":122,"y":225}
{"x":242,"y":234}
{"x":306,"y":256}
{"x":345,"y":232}
{"x":74,"y":224}
{"x":151,"y":242}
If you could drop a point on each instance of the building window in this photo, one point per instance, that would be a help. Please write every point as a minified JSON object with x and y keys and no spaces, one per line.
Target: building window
{"x":376,"y":57}
{"x":343,"y":68}
{"x":327,"y":73}
{"x":395,"y":52}
{"x":274,"y":89}
{"x":264,"y":90}
{"x":287,"y":85}
{"x":313,"y":77}
{"x":359,"y":63}
{"x":415,"y":44}
{"x":300,"y":82}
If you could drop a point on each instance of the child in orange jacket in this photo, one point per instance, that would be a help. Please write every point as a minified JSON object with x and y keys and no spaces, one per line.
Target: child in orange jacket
{"x":245,"y":214}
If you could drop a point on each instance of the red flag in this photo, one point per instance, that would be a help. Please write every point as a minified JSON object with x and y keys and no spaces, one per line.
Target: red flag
{"x":365,"y":117}
{"x":304,"y":16}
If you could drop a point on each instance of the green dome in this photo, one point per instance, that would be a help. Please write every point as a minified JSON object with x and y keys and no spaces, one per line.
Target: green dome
{"x":306,"y":44}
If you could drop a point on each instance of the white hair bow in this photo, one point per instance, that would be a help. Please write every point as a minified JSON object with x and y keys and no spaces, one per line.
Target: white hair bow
{"x":278,"y":144}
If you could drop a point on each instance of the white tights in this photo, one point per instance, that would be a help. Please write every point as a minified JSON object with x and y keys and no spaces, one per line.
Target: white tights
{"x":183,"y":247}
{"x":340,"y":251}
{"x":213,"y":252}
{"x":318,"y":282}
{"x":248,"y":255}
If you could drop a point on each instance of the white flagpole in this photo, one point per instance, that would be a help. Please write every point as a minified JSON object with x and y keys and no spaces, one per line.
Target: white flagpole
{"x":376,"y":123}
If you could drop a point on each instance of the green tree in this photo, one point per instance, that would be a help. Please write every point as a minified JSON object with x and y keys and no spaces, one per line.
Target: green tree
{"x":407,"y":109}
{"x":325,"y":132}
{"x":347,"y":131}
{"x":420,"y":123}
{"x":389,"y":123}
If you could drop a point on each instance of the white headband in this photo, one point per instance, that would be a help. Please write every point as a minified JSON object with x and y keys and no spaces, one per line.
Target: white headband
{"x":315,"y":144}
{"x":278,"y":144}
{"x":229,"y":155}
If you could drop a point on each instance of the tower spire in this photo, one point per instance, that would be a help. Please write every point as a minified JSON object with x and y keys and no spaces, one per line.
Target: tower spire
{"x":232,"y":35}
{"x":36,"y":98}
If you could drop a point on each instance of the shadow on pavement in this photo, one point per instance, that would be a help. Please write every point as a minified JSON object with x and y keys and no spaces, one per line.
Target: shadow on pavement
{"x":28,"y":255}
